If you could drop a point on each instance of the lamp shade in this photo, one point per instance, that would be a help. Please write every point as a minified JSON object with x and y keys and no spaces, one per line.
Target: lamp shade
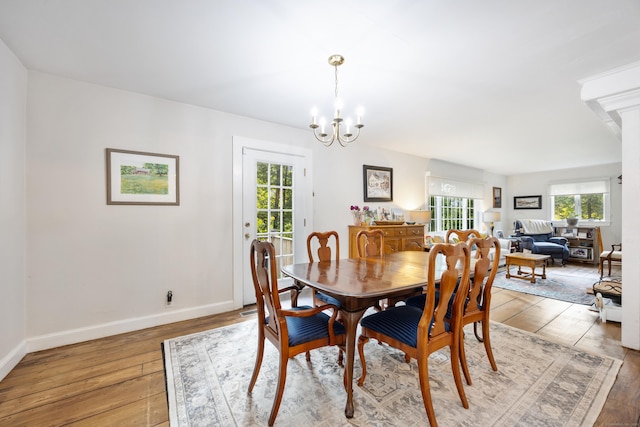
{"x":491,"y":216}
{"x":420,"y":217}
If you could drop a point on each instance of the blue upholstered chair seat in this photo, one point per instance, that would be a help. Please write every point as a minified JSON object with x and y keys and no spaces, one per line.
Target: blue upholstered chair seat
{"x":305,"y":329}
{"x":400,"y":323}
{"x":418,"y":301}
{"x":327,"y":299}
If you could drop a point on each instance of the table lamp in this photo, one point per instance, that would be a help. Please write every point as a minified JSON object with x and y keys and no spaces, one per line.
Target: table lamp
{"x":491,"y":218}
{"x":421,"y":217}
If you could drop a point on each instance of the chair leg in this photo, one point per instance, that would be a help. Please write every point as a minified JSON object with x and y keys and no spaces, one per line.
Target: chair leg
{"x":463,"y":361}
{"x":425,"y":389}
{"x":340,"y":358}
{"x":487,"y":344}
{"x":455,"y":360}
{"x":361,"y":342}
{"x":282,"y":378}
{"x":308,"y":356}
{"x":475,"y":332}
{"x":256,"y":368}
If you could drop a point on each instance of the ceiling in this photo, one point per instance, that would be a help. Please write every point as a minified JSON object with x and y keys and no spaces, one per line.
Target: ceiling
{"x":492,"y":84}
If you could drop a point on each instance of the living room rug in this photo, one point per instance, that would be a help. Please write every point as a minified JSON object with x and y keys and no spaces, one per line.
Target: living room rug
{"x":538,"y":382}
{"x":560,"y":284}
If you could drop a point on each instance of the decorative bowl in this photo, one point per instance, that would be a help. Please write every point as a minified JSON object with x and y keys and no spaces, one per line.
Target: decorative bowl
{"x":389,"y":222}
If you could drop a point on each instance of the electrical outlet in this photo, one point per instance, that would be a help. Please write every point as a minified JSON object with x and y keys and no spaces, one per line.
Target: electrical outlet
{"x":169,"y":299}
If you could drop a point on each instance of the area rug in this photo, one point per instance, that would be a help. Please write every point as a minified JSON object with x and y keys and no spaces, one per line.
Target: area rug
{"x":557,"y":285}
{"x":538,"y":382}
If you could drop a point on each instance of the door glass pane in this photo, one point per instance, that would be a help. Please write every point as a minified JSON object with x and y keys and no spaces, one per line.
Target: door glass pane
{"x":274,"y":204}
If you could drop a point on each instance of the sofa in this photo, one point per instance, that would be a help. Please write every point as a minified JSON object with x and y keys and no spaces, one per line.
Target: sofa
{"x":536,"y":235}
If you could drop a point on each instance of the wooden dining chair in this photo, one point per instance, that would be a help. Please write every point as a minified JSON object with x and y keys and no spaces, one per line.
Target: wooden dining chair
{"x":292,"y":331}
{"x":478,"y":305}
{"x":370,"y":243}
{"x":418,"y":333}
{"x":481,"y":282}
{"x":321,"y":240}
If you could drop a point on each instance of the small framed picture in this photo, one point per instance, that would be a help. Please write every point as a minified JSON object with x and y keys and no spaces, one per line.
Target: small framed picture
{"x":497,"y":197}
{"x":527,"y":202}
{"x":378,"y":183}
{"x":138,"y":178}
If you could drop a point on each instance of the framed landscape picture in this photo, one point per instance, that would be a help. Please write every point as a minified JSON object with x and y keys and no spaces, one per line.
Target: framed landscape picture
{"x":378,"y":183}
{"x":527,"y":202}
{"x":138,"y":178}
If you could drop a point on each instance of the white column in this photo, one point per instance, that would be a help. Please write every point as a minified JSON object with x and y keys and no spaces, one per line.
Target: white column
{"x":630,"y":214}
{"x":615,"y":97}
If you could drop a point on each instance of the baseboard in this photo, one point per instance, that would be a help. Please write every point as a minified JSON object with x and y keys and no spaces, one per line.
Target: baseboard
{"x":74,"y":336}
{"x":12,"y":359}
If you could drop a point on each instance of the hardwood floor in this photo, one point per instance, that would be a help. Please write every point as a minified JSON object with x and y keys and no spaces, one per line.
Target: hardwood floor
{"x":119,"y":380}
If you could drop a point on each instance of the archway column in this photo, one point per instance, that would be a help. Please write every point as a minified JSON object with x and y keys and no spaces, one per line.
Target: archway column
{"x":615,"y":98}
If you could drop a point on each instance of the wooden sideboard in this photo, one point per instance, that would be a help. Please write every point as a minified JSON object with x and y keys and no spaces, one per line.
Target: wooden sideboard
{"x":396,"y":237}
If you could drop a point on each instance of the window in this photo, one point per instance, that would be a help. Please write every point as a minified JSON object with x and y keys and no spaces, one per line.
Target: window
{"x":452,"y":213}
{"x":454,"y":204}
{"x":587,"y":201}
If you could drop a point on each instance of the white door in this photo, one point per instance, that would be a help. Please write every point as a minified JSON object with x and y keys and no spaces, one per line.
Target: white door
{"x":274,"y":188}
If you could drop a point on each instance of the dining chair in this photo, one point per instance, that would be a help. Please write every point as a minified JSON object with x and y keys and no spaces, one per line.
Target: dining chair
{"x":460,"y":235}
{"x":480,"y":284}
{"x":321,"y":240}
{"x":370,"y":243}
{"x":452,"y":236}
{"x":478,"y":302}
{"x":418,"y":333}
{"x":292,"y":331}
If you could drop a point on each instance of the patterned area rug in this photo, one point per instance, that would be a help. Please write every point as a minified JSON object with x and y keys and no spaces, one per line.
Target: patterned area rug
{"x":538,"y":383}
{"x":558,"y":285}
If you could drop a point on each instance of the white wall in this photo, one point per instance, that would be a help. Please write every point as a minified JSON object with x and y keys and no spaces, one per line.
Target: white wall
{"x":96,"y":269}
{"x":538,"y":184}
{"x":13,"y":89}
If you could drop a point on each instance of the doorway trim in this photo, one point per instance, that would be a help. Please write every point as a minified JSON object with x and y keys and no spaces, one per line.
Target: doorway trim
{"x":239,"y":144}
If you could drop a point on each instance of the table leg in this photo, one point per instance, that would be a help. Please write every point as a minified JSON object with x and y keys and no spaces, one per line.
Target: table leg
{"x":350,"y":319}
{"x":544,"y":269}
{"x":508,"y":270}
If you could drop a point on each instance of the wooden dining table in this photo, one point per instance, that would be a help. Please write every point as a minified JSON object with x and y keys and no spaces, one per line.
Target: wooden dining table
{"x":360,"y":283}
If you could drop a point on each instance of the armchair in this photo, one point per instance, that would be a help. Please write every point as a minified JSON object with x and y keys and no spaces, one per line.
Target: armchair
{"x":537,"y":236}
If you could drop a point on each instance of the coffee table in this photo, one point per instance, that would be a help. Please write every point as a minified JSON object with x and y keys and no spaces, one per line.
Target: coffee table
{"x":527,"y":260}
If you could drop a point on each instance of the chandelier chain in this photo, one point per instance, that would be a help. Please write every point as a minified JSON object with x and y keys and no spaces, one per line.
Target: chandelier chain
{"x":336,"y":74}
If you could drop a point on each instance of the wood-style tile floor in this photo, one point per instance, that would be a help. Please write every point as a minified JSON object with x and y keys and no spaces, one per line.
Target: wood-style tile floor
{"x":119,"y":380}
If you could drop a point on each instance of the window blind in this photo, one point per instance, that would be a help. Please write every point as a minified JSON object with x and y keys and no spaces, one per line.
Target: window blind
{"x":600,"y":186}
{"x":437,"y":186}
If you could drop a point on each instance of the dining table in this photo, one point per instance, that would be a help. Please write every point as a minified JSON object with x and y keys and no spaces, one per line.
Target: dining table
{"x":360,"y":283}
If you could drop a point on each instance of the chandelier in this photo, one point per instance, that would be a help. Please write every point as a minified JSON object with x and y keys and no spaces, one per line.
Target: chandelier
{"x":337,"y":122}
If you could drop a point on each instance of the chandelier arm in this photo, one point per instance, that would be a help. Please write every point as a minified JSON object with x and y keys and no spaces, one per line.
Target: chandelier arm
{"x":345,"y":140}
{"x":326,"y":141}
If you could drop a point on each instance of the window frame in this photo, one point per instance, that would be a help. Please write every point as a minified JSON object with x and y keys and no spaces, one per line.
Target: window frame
{"x":605,"y":182}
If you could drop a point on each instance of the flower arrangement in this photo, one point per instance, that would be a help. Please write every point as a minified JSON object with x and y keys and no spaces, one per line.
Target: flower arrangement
{"x":361,"y":216}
